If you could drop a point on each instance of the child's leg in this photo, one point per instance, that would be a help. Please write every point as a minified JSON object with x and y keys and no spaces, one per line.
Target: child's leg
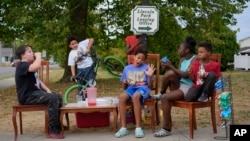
{"x":171,"y":80}
{"x":123,"y":99}
{"x":137,"y":108}
{"x":194,"y":93}
{"x":209,"y":84}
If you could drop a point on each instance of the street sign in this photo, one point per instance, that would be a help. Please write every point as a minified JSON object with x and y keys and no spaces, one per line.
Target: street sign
{"x":145,"y":19}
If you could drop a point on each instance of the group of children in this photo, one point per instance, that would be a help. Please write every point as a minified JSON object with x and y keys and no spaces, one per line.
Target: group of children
{"x":137,"y":79}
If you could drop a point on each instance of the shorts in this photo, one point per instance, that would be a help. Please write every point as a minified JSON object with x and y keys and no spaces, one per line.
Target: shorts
{"x":184,"y":88}
{"x":145,"y":93}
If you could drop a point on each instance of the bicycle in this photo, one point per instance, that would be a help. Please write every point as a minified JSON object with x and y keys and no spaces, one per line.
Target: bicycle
{"x":113,"y":65}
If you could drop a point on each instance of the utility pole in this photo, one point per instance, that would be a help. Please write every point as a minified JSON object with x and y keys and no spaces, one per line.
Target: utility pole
{"x":144,"y":36}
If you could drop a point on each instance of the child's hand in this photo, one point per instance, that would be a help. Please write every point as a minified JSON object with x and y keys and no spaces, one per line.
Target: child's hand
{"x":167,"y":65}
{"x":150,"y":70}
{"x":189,"y":70}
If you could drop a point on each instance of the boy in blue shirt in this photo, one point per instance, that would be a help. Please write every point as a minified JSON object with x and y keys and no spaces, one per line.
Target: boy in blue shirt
{"x":137,"y":79}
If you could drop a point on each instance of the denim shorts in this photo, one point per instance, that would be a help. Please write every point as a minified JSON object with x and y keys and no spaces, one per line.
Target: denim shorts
{"x":145,"y":93}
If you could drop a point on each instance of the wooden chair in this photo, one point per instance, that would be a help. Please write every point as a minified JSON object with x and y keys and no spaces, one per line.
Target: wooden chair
{"x":191,"y":106}
{"x":43,"y":76}
{"x":151,"y":103}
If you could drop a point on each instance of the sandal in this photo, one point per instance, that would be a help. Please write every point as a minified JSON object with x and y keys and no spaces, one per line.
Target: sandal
{"x":139,"y":133}
{"x":121,"y":133}
{"x":162,"y":133}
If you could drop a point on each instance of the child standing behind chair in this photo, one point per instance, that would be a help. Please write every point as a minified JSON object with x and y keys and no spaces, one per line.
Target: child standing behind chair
{"x":204,"y":73}
{"x":137,"y":79}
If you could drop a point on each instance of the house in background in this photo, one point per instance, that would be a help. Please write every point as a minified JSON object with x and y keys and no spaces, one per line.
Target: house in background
{"x":244,"y":46}
{"x":6,"y":55}
{"x":242,"y":59}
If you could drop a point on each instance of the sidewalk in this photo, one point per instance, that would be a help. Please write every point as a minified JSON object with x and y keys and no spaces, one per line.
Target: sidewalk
{"x":202,"y":134}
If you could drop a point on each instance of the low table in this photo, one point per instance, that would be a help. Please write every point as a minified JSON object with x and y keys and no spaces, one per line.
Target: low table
{"x":87,"y":109}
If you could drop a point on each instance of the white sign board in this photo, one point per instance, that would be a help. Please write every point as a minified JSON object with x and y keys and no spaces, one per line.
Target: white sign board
{"x":145,"y":19}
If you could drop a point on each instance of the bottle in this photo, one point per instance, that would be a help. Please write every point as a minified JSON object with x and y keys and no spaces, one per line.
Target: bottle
{"x":78,"y":98}
{"x":200,"y":75}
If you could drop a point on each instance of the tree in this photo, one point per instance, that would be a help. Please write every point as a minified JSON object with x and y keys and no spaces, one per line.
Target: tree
{"x":46,"y":23}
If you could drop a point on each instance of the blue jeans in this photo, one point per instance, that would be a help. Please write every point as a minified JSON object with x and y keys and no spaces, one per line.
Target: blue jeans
{"x":86,"y":73}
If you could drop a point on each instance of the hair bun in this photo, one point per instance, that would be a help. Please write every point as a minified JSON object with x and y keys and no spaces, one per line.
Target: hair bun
{"x":190,"y":40}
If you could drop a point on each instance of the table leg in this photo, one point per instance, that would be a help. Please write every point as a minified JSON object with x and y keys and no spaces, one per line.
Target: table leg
{"x":61,"y":122}
{"x":115,"y":113}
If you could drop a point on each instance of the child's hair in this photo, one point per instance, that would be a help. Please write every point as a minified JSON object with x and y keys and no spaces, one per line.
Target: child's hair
{"x":71,"y":38}
{"x":207,"y":45}
{"x":190,"y":43}
{"x":143,"y":51}
{"x":21,"y":50}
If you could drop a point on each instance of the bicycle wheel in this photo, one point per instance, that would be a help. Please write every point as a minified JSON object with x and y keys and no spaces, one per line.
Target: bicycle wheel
{"x":70,"y":94}
{"x":114,"y":66}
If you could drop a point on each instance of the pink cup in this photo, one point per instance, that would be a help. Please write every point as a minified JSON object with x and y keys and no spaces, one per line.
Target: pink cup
{"x":91,"y":94}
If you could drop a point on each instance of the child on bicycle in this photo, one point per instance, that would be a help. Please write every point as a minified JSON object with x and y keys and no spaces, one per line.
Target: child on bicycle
{"x":79,"y":55}
{"x":137,"y":79}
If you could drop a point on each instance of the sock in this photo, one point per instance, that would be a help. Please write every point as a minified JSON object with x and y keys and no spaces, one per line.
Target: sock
{"x":137,"y":128}
{"x":123,"y":128}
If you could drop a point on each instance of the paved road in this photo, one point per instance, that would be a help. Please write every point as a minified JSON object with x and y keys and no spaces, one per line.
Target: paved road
{"x":7,"y":71}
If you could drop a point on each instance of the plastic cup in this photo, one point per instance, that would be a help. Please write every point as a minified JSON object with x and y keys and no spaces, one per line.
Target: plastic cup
{"x":91,"y":94}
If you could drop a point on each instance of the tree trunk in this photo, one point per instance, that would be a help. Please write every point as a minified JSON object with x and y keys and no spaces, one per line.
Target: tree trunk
{"x":78,"y":10}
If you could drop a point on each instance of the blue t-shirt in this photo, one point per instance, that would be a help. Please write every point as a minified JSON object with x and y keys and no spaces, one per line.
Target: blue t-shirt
{"x":136,"y":76}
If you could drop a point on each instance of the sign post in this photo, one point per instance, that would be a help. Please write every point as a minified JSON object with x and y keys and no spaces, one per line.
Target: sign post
{"x":145,"y":20}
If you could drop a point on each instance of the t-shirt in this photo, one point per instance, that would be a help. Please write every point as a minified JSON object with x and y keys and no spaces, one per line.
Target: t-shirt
{"x":76,"y":56}
{"x":135,"y":76}
{"x":131,"y":40}
{"x":26,"y":82}
{"x":212,"y":66}
{"x":184,"y":66}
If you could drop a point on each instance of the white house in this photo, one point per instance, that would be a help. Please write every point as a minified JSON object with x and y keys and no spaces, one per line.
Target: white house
{"x":242,"y":59}
{"x":244,"y":45}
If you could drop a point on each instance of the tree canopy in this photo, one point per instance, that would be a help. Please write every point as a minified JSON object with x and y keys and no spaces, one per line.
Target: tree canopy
{"x":45,"y":24}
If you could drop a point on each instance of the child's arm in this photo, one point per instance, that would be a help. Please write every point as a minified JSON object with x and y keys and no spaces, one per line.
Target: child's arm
{"x":90,"y":44}
{"x":190,"y":73}
{"x":37,"y":63}
{"x":44,"y":87}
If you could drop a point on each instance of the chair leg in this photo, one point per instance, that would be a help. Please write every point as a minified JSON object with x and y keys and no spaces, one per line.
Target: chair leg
{"x":153,"y":112}
{"x":191,"y":128}
{"x":213,"y":119}
{"x":46,"y":122}
{"x":14,"y":123}
{"x":194,"y":121}
{"x":21,"y":123}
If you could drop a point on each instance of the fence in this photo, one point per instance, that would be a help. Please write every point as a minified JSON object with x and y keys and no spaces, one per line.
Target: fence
{"x":241,"y":62}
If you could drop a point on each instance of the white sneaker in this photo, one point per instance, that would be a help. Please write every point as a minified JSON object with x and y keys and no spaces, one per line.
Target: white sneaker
{"x":157,"y":97}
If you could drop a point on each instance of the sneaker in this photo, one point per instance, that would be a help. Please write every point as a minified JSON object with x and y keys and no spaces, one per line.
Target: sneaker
{"x":139,"y":133}
{"x":56,"y":136}
{"x":162,"y":133}
{"x":203,"y":98}
{"x":157,"y":97}
{"x":121,"y":133}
